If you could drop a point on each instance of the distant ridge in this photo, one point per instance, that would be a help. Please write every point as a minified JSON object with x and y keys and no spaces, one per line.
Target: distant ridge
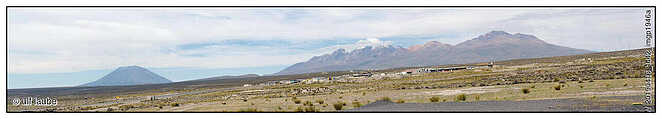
{"x":495,"y":45}
{"x":230,"y":77}
{"x":129,"y":75}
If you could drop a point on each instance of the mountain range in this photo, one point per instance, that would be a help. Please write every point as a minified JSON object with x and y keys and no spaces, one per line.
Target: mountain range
{"x":495,"y":45}
{"x":128,"y":75}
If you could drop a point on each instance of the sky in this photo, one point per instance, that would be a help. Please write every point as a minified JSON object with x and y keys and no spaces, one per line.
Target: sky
{"x":54,"y":47}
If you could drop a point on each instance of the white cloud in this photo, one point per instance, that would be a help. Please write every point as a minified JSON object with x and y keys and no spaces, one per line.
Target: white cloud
{"x":67,"y":40}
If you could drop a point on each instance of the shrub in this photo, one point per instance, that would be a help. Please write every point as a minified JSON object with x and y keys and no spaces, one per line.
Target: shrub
{"x":590,"y":80}
{"x":299,"y":109}
{"x":339,"y":105}
{"x":356,"y":104}
{"x":580,"y":81}
{"x":581,"y":86}
{"x":533,"y":86}
{"x":626,"y":84}
{"x":340,"y":97}
{"x":385,"y":99}
{"x":297,"y":101}
{"x":526,"y":91}
{"x":477,"y":97}
{"x":320,"y":101}
{"x":363,"y":93}
{"x":174,"y":104}
{"x":435,"y":99}
{"x":400,"y":101}
{"x":125,"y":107}
{"x":308,"y":103}
{"x":109,"y":109}
{"x":311,"y":109}
{"x":557,"y":87}
{"x":248,"y":110}
{"x":461,"y":97}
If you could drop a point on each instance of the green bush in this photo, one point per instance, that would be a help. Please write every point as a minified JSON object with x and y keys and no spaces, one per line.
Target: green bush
{"x":320,"y":101}
{"x":297,"y":101}
{"x":526,"y":90}
{"x":356,"y":104}
{"x":339,"y":105}
{"x":557,"y":87}
{"x":477,"y":97}
{"x":435,"y":99}
{"x":385,"y":99}
{"x":461,"y":97}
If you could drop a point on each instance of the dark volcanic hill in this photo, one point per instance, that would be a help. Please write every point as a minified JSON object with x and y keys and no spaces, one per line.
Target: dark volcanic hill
{"x":495,"y":45}
{"x":129,"y":75}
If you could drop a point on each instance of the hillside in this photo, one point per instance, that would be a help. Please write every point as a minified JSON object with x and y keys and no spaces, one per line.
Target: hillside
{"x":495,"y":45}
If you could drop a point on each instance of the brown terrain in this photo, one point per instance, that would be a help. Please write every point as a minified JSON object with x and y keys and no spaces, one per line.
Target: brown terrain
{"x":596,"y":82}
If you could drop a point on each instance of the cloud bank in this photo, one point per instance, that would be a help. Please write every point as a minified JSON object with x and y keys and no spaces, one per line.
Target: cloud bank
{"x":51,"y":40}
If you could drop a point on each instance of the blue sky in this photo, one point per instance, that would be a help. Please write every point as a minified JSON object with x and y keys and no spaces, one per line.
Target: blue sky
{"x":50,"y":47}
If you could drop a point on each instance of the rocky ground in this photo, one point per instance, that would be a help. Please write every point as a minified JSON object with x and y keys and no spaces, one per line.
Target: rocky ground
{"x":545,"y":105}
{"x":611,"y":82}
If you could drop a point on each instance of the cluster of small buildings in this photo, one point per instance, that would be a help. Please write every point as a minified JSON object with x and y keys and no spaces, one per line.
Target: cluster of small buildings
{"x":369,"y":75}
{"x":296,"y":81}
{"x":447,"y":69}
